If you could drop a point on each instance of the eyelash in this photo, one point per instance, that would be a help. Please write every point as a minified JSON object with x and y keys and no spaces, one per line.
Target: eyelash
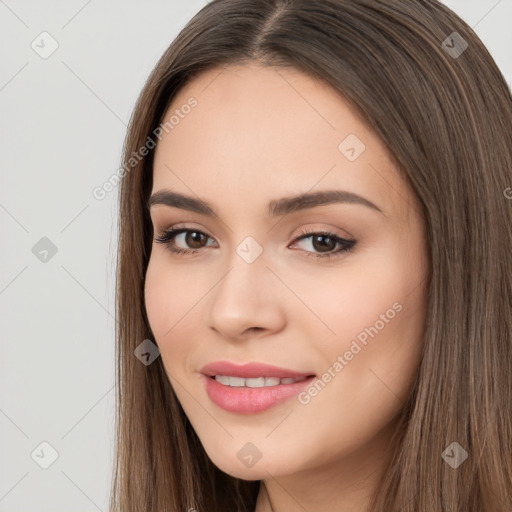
{"x":167,"y":237}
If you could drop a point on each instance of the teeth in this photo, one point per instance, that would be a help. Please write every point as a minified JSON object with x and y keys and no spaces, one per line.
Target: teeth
{"x":236,"y":382}
{"x":254,"y":382}
{"x":257,"y":382}
{"x":222,"y":379}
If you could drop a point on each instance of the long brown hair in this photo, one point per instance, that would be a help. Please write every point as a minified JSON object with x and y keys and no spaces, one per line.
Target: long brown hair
{"x":440,"y":104}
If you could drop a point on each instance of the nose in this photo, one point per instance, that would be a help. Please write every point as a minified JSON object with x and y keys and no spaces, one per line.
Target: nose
{"x":249,"y":299}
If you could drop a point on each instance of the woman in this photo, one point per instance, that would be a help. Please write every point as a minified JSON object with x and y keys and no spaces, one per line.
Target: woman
{"x":315,"y":268}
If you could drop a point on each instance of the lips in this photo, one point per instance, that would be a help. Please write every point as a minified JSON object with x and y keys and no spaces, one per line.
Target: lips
{"x":251,"y":370}
{"x":255,"y":382}
{"x":252,"y":387}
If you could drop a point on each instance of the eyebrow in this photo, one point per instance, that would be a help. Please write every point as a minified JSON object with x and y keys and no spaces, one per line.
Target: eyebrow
{"x":275,"y":208}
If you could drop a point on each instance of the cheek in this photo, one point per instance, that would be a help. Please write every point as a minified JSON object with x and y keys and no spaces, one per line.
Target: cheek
{"x":173,"y":298}
{"x":164,"y":310}
{"x":170,"y":296}
{"x":158,"y":303}
{"x":365,"y":384}
{"x":353,"y":297}
{"x":377,"y":312}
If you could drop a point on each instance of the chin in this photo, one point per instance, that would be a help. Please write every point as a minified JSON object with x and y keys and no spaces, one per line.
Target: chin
{"x":234,"y":467}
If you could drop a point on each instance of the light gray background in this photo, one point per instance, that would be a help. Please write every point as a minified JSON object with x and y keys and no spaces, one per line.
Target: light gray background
{"x":63,"y":121}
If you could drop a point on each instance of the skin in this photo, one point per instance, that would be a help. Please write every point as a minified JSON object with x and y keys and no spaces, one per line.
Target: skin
{"x":257,"y":134}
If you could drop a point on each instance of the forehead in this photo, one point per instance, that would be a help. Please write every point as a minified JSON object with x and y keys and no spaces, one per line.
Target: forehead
{"x":265,"y":132}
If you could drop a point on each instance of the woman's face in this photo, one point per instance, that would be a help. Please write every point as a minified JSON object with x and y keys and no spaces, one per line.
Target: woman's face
{"x":253,"y":292}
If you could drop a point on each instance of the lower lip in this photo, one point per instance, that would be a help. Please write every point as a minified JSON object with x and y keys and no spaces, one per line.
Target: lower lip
{"x":246,"y":400}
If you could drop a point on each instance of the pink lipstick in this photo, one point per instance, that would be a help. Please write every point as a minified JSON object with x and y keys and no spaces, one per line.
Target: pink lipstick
{"x":252,"y":387}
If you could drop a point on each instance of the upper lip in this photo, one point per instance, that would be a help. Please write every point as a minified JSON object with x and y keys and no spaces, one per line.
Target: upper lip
{"x":249,"y":370}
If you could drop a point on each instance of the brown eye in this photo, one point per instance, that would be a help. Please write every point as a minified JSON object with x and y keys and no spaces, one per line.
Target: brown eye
{"x":324,"y":243}
{"x":321,"y":243}
{"x":195,"y":239}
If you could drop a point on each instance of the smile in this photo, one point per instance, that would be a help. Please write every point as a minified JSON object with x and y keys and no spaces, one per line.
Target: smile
{"x":252,"y":395}
{"x":255,"y":382}
{"x":252,"y":387}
